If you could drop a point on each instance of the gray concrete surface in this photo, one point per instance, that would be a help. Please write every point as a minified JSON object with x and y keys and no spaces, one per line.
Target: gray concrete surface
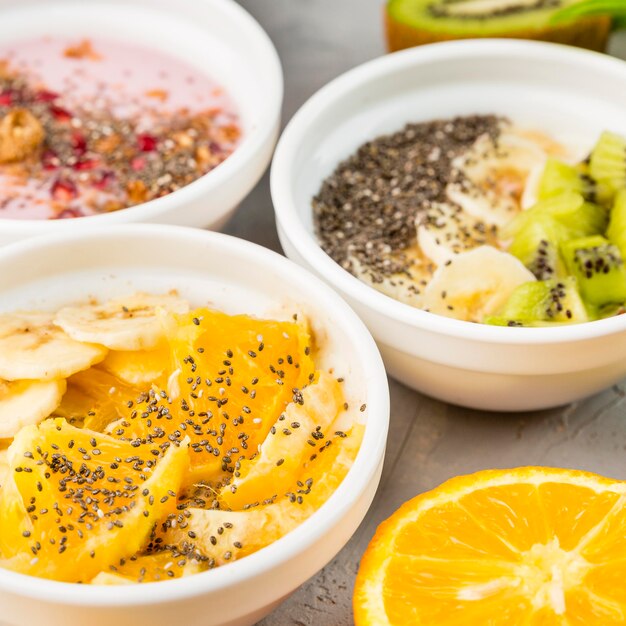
{"x":429,"y":441}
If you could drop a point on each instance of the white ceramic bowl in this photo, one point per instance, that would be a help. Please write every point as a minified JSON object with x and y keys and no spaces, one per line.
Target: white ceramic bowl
{"x":573,"y":95}
{"x":215,"y":36}
{"x":235,"y":276}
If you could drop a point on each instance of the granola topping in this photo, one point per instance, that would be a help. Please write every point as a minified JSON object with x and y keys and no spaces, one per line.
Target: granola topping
{"x":90,"y":127}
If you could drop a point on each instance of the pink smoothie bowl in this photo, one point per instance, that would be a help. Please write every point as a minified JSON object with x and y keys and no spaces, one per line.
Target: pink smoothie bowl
{"x":216,"y":38}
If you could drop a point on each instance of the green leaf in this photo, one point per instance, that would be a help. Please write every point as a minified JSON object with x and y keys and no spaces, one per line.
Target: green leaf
{"x":584,"y":8}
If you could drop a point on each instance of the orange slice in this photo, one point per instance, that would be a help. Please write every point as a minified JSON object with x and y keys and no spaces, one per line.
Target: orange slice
{"x":148,"y":568}
{"x":523,"y":547}
{"x":4,"y":465}
{"x":78,"y":501}
{"x":95,"y":398}
{"x":232,"y":377}
{"x":225,"y":536}
{"x":287,"y":445}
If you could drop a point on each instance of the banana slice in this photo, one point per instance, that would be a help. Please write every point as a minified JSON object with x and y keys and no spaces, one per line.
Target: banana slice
{"x":26,"y":402}
{"x":475,"y":284}
{"x":33,"y":348}
{"x":130,"y":323}
{"x":137,"y":367}
{"x":530,"y":197}
{"x":402,"y":287}
{"x":496,"y":176}
{"x":445,"y":230}
{"x":504,"y":164}
{"x":488,"y":205}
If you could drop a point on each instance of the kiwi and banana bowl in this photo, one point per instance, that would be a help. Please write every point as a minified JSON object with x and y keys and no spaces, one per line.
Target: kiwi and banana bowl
{"x":521,"y":198}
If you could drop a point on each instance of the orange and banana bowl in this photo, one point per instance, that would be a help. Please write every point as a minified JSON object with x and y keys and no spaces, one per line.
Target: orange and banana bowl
{"x":144,"y":438}
{"x":191,"y":439}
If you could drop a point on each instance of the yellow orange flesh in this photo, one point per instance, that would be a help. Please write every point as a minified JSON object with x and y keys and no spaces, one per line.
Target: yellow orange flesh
{"x":144,"y":444}
{"x":149,"y":568}
{"x":232,"y":377}
{"x":301,"y":428}
{"x":527,"y":547}
{"x":95,"y":398}
{"x":225,"y":536}
{"x":4,"y":465}
{"x":79,"y":501}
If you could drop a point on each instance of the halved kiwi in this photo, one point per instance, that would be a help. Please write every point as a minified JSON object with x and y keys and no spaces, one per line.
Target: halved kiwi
{"x":414,"y":22}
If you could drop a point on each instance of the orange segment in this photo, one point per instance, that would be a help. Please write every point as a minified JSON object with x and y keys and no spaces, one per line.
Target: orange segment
{"x":4,"y":464}
{"x":79,"y":501}
{"x":225,"y":536}
{"x":232,"y":377}
{"x":287,"y":445}
{"x":524,"y":547}
{"x":95,"y":398}
{"x":148,"y":568}
{"x":571,"y":524}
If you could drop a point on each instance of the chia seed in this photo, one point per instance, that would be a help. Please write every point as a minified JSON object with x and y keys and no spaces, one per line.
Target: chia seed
{"x":367,"y":208}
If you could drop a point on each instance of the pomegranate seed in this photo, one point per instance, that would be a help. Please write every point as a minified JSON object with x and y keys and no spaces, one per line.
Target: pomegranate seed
{"x":62,"y":115}
{"x":68,"y":214}
{"x":6,"y":99}
{"x":46,"y":96}
{"x":49,"y":160}
{"x":146,"y":143}
{"x":63,"y":190}
{"x":86,"y":164}
{"x":138,"y":163}
{"x":79,"y":143}
{"x":105,"y":181}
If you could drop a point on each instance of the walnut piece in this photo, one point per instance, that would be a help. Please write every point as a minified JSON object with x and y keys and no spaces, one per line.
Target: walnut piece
{"x":21,"y":134}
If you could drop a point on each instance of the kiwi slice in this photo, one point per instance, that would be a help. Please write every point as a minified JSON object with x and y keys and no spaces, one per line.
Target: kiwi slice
{"x":607,"y":164}
{"x":559,"y":177}
{"x":569,"y":210}
{"x":540,"y":303}
{"x":598,"y":266}
{"x":538,"y":233}
{"x":415,"y":22}
{"x":616,"y":231}
{"x":536,"y":245}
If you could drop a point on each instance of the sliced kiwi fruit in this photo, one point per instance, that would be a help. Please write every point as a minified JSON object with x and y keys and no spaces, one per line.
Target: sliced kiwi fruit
{"x":538,"y":233}
{"x":559,"y":177}
{"x":414,"y":22}
{"x":569,"y":210}
{"x":616,"y":231}
{"x":536,"y":245}
{"x":598,"y":266}
{"x":540,"y":303}
{"x":607,"y":164}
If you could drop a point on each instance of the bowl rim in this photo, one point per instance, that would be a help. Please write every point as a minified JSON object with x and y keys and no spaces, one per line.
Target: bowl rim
{"x":356,"y":482}
{"x":291,"y":227}
{"x":252,"y":143}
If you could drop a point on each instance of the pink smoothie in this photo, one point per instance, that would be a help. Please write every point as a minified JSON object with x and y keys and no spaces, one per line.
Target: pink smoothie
{"x":123,"y":80}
